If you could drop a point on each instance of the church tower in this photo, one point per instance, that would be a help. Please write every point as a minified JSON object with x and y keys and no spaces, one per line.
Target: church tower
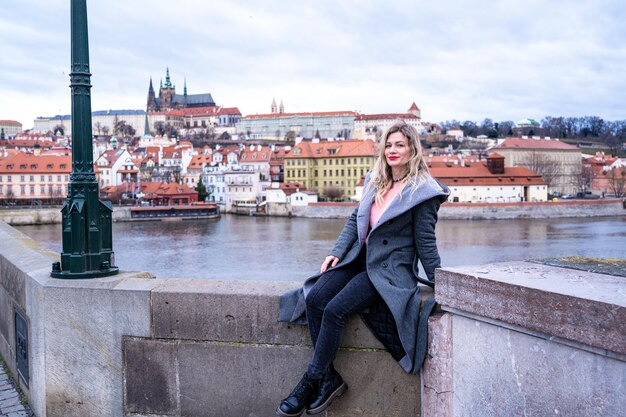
{"x":152,"y":103}
{"x":274,"y":109}
{"x":281,"y":109}
{"x":166,"y":93}
{"x":415,"y":111}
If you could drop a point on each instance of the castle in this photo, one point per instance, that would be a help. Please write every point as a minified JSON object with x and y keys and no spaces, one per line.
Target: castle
{"x":168,"y":99}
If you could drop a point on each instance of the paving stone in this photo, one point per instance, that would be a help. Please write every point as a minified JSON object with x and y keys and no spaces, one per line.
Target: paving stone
{"x":13,"y":409}
{"x":9,"y":393}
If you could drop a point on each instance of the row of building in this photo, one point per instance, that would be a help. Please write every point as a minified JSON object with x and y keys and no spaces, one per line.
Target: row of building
{"x":253,"y":175}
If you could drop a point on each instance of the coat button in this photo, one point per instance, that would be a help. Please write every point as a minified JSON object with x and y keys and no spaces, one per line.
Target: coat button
{"x":385,"y":242}
{"x":385,"y":264}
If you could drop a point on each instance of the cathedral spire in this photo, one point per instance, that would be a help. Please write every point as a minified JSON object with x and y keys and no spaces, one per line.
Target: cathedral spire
{"x":147,"y":128}
{"x":274,"y":109}
{"x":185,"y":89}
{"x":168,"y":83}
{"x":152,"y":103}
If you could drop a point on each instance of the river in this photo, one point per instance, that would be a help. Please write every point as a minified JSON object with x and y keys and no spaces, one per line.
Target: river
{"x":274,"y":248}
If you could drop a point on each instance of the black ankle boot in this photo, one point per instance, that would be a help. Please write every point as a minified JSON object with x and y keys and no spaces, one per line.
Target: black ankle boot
{"x":301,"y":396}
{"x":332,"y":386}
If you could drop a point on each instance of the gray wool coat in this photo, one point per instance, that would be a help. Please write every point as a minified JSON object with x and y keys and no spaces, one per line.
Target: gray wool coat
{"x":404,"y":236}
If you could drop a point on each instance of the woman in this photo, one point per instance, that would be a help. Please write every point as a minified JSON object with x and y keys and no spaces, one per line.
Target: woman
{"x":373,"y":265}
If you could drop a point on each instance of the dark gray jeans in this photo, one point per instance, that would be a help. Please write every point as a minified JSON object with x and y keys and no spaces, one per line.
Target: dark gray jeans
{"x":336,"y":295}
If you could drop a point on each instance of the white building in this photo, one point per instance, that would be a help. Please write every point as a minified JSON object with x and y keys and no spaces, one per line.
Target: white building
{"x":11,"y":128}
{"x":256,"y":158}
{"x":373,"y":126}
{"x":490,"y":182}
{"x":116,"y":166}
{"x":243,"y":189}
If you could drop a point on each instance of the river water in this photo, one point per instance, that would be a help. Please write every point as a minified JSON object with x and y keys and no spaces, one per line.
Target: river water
{"x":274,"y":248}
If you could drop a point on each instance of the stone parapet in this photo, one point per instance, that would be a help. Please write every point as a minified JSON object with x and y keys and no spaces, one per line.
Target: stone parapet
{"x":130,"y":345}
{"x":581,"y":306}
{"x":522,"y":338}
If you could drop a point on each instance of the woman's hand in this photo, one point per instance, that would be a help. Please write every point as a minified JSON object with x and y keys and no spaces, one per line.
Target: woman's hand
{"x":331,"y":261}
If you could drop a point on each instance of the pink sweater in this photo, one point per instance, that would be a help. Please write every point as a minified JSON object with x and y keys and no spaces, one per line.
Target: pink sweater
{"x":377,"y":210}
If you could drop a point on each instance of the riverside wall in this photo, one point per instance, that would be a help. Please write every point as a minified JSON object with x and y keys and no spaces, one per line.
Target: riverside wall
{"x":515,"y":338}
{"x":486,"y":211}
{"x":451,"y":211}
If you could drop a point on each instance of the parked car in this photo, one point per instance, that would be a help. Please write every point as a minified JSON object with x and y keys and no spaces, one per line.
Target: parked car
{"x":568,"y":196}
{"x":587,"y":195}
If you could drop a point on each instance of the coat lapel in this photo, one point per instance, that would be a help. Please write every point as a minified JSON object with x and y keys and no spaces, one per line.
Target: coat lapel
{"x":363,"y":214}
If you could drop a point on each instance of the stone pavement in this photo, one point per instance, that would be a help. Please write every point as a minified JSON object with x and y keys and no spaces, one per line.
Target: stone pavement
{"x":10,"y":405}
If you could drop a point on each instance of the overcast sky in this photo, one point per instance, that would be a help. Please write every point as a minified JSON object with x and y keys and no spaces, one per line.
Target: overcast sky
{"x":457,"y":59}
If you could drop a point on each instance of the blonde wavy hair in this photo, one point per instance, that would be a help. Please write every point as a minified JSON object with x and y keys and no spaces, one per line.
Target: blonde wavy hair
{"x":381,"y":176}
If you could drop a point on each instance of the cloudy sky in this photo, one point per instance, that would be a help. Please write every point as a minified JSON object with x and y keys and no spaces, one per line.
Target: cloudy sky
{"x":457,"y":59}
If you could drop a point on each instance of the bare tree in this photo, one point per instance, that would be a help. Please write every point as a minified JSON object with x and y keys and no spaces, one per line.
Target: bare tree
{"x":333,"y":193}
{"x":549,"y":168}
{"x":617,"y":181}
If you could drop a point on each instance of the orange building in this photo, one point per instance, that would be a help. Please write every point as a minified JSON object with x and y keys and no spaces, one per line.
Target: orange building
{"x":26,"y":177}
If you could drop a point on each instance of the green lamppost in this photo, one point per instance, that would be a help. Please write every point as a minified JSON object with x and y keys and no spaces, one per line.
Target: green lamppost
{"x":87,"y":235}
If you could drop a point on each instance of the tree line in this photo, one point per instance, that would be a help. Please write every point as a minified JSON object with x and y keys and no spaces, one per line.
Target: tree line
{"x":586,"y":128}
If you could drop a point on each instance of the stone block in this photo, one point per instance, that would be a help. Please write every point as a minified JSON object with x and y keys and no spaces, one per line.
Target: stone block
{"x":6,"y":323}
{"x":581,"y":306}
{"x":83,"y":327}
{"x":225,"y":379}
{"x":154,"y":362}
{"x":502,"y":372}
{"x":235,"y":311}
{"x":436,"y":374}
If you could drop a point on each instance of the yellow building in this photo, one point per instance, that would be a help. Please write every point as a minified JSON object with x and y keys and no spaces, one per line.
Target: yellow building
{"x":329,"y":168}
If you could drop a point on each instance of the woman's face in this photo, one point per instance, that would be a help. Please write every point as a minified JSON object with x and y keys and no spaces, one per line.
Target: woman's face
{"x":397,"y":150}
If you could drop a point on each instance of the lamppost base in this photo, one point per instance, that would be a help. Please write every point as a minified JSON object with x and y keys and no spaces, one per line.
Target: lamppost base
{"x":56,"y":273}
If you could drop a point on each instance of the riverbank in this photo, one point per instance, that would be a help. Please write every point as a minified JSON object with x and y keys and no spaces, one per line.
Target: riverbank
{"x":450,"y":211}
{"x":487,"y":211}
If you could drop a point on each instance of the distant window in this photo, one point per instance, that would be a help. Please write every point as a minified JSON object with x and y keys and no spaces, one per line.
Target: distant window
{"x":22,"y":178}
{"x":49,"y":166}
{"x":32,"y":189}
{"x":42,"y":178}
{"x":32,"y":178}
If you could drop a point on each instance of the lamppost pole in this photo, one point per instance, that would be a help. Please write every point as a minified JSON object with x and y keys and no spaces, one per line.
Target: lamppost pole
{"x":86,"y":221}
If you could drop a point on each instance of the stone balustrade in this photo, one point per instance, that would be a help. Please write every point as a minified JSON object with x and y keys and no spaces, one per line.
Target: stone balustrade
{"x":515,"y":338}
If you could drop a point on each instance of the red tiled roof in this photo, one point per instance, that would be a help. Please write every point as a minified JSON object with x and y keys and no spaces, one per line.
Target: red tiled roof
{"x":478,"y":174}
{"x":27,"y":143}
{"x":413,"y":107}
{"x":335,"y":149}
{"x":10,"y":123}
{"x":291,"y":187}
{"x":199,"y":161}
{"x":230,"y":110}
{"x":520,"y":143}
{"x":385,"y":116}
{"x":23,"y":163}
{"x":305,"y":114}
{"x":255,"y":155}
